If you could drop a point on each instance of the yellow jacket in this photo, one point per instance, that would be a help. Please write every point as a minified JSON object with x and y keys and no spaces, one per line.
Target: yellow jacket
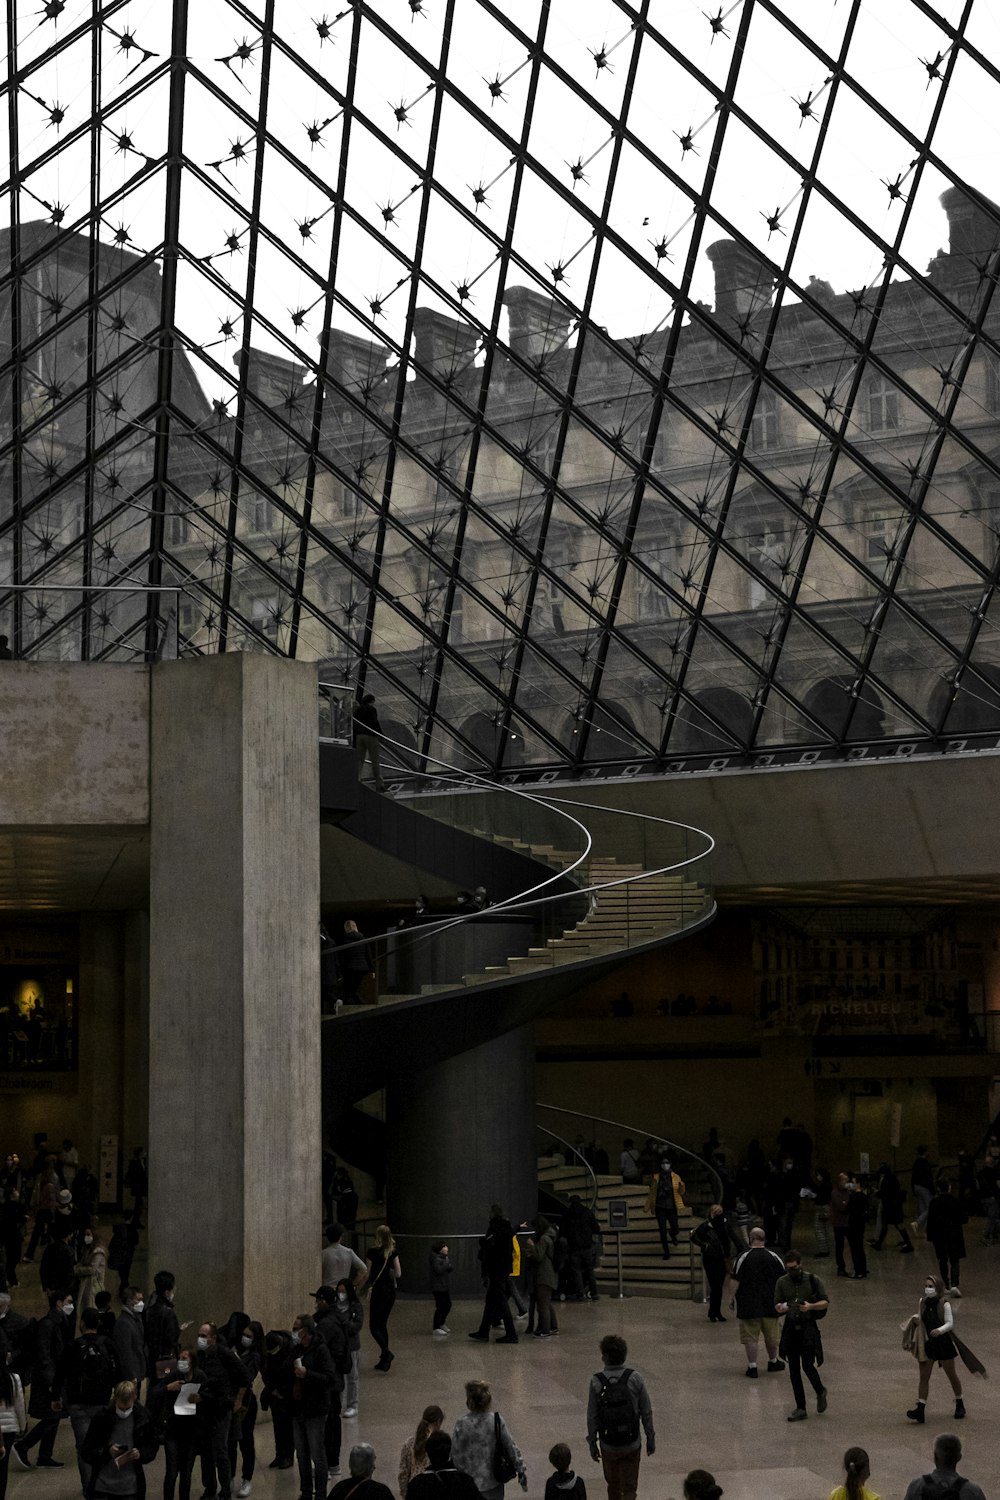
{"x":679,"y":1191}
{"x":515,"y":1265}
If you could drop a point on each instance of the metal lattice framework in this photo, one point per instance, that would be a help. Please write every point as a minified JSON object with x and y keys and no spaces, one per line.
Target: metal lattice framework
{"x":596,"y":382}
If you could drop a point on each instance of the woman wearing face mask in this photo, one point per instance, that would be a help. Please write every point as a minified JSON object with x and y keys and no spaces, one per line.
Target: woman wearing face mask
{"x":351,"y":1312}
{"x":930,"y":1337}
{"x":13,"y":1418}
{"x":120,"y":1441}
{"x":180,"y":1433}
{"x":249,"y":1348}
{"x":90,"y":1268}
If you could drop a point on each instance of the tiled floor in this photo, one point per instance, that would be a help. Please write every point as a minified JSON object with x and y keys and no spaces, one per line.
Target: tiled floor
{"x":707,"y":1415}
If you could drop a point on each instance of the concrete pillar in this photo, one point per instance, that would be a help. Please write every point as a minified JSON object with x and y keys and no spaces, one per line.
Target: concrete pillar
{"x":103,"y":1063}
{"x":462,"y":1136}
{"x":234,"y":1106}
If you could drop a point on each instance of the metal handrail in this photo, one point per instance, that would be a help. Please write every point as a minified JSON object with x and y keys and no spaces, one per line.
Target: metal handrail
{"x":588,"y":1169}
{"x":632,"y":1130}
{"x":528,"y":901}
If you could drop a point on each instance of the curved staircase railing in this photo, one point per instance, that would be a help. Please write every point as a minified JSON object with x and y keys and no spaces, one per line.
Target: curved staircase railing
{"x":644,"y":1270}
{"x":585,"y":905}
{"x":563,"y":1170}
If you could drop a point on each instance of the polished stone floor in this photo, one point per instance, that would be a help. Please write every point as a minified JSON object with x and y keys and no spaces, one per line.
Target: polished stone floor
{"x":707,"y":1414}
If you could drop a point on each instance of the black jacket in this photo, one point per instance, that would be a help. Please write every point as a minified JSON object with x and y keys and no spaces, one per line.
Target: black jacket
{"x":496,"y":1249}
{"x":580,"y":1227}
{"x":91,"y":1370}
{"x":56,"y":1272}
{"x":96,"y":1448}
{"x":221,"y":1375}
{"x":50,"y":1363}
{"x":311,"y":1392}
{"x":331,"y":1331}
{"x":163,"y":1333}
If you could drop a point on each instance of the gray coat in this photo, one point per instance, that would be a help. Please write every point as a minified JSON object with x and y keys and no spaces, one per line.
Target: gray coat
{"x":129,"y":1339}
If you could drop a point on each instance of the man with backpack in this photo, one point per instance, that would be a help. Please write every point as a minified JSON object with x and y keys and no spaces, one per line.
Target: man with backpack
{"x":945,"y":1483}
{"x":618,"y":1405}
{"x":91,"y":1376}
{"x":802,"y":1298}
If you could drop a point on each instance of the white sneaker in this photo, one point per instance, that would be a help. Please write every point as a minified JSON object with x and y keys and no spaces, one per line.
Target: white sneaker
{"x":954,"y":1291}
{"x":445,"y":1328}
{"x":351,"y":1411}
{"x":334,"y":1471}
{"x":244,"y":1489}
{"x":440,"y":1333}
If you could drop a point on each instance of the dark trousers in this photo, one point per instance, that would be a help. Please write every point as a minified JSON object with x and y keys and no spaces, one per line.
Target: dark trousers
{"x":899,"y":1228}
{"x":582,"y":1265}
{"x":4,"y":1467}
{"x":786,"y":1224}
{"x":666,"y":1218}
{"x":379,"y":1308}
{"x":180,"y":1446}
{"x":214,"y":1445}
{"x":310,"y":1451}
{"x":284,"y":1438}
{"x":241,"y":1436}
{"x":621,"y":1473}
{"x":496,"y":1308}
{"x":546,"y":1321}
{"x":859,"y":1256}
{"x":802,"y":1362}
{"x":40,"y":1232}
{"x":515,"y":1296}
{"x":839,"y":1241}
{"x":533,"y":1314}
{"x":715,"y":1275}
{"x":43,"y":1433}
{"x":948,"y":1267}
{"x":442,"y":1307}
{"x":332,"y":1431}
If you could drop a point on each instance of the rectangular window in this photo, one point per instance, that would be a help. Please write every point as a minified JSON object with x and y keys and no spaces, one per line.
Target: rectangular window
{"x":764,"y":422}
{"x":883,"y":405}
{"x":878,"y":540}
{"x":261,"y":514}
{"x":178,"y":528}
{"x":185,"y":617}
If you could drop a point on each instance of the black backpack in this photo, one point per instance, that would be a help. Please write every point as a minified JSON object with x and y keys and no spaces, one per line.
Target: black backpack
{"x":617,"y":1413}
{"x":933,"y":1489}
{"x":95,"y":1371}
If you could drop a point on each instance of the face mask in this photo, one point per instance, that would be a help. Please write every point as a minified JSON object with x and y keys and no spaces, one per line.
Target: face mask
{"x":202,"y":1342}
{"x":930,"y":1291}
{"x":138,"y":1307}
{"x":183,"y":1366}
{"x":68,"y":1309}
{"x":296,"y":1336}
{"x":120,"y":1413}
{"x":247,"y":1340}
{"x":88,"y":1239}
{"x":341,"y":1296}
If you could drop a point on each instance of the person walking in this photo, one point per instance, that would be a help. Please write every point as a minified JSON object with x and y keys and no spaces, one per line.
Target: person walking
{"x":801,"y":1298}
{"x":618,"y":1412}
{"x":629,"y":1163}
{"x":583,"y":1235}
{"x":716,"y":1240}
{"x":496,"y":1260}
{"x":562,"y":1483}
{"x":857,"y":1222}
{"x":944,"y":1230}
{"x":930,"y":1337}
{"x":840,"y":1198}
{"x":857,"y":1472}
{"x":91,"y":1376}
{"x":482,"y":1445}
{"x":413,"y":1454}
{"x":91,"y":1268}
{"x":441,"y":1480}
{"x":383,"y":1275}
{"x":47,"y":1381}
{"x":945,"y":1479}
{"x":752,"y":1286}
{"x":890,"y":1195}
{"x":666,"y":1199}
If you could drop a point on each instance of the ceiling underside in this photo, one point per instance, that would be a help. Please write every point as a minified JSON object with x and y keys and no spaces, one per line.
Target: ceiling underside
{"x":595,"y":382}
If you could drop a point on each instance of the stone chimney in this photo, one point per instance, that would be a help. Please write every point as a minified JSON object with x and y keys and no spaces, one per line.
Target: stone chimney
{"x":356,"y":362}
{"x":538,"y":326}
{"x":743,"y":281}
{"x":442,"y":346}
{"x":270,"y":377}
{"x":972,"y":231}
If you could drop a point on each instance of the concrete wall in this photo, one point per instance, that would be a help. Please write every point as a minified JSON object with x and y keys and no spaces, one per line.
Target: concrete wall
{"x":76,"y":744}
{"x":234,"y":1140}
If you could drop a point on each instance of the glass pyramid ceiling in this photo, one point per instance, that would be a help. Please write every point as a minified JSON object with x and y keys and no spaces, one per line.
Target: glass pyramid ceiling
{"x":599,"y":384}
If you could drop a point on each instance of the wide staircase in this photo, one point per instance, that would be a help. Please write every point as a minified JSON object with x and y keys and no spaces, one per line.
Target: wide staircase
{"x":644,"y":1271}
